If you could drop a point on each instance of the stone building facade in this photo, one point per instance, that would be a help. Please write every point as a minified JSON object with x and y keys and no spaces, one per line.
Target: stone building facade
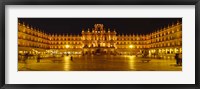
{"x":163,"y":43}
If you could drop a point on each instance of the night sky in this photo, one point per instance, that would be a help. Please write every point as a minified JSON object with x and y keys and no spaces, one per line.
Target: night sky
{"x":121,"y":25}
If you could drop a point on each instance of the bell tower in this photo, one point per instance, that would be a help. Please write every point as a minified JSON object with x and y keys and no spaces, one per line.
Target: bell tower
{"x":98,"y":27}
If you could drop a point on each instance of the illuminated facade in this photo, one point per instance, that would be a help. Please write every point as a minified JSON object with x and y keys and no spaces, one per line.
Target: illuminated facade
{"x":163,"y":43}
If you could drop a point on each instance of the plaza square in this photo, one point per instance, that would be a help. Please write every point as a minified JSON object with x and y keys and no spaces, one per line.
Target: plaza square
{"x":100,"y":48}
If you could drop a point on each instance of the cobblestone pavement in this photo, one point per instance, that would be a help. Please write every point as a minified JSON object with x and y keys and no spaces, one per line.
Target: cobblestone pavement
{"x":99,"y":63}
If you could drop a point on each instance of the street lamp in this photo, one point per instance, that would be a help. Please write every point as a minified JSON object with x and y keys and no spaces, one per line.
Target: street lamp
{"x":67,"y":46}
{"x":130,"y":46}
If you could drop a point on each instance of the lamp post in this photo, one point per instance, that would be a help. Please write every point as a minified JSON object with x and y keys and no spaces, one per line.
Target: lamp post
{"x":130,"y":46}
{"x":67,"y":46}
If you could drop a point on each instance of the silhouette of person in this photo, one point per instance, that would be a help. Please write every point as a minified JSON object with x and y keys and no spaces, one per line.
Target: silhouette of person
{"x":26,"y":57}
{"x":38,"y":58}
{"x":180,"y":59}
{"x":71,"y":58}
{"x":177,"y":58}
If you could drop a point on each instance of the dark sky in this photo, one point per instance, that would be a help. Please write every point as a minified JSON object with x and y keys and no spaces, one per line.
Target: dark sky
{"x":122,"y":25}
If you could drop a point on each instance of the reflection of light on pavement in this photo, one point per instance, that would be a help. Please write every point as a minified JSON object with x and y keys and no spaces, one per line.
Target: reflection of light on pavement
{"x":90,"y":63}
{"x":67,"y":62}
{"x":131,"y":57}
{"x":131,"y":61}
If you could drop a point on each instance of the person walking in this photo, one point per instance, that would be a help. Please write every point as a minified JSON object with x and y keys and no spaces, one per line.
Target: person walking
{"x":177,"y":58}
{"x":26,"y":57}
{"x":38,"y":58}
{"x":180,"y":59}
{"x":71,"y":58}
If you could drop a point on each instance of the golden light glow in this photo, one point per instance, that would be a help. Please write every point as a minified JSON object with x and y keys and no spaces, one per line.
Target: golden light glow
{"x":66,"y":60}
{"x":131,"y":61}
{"x":67,"y":46}
{"x":130,"y":46}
